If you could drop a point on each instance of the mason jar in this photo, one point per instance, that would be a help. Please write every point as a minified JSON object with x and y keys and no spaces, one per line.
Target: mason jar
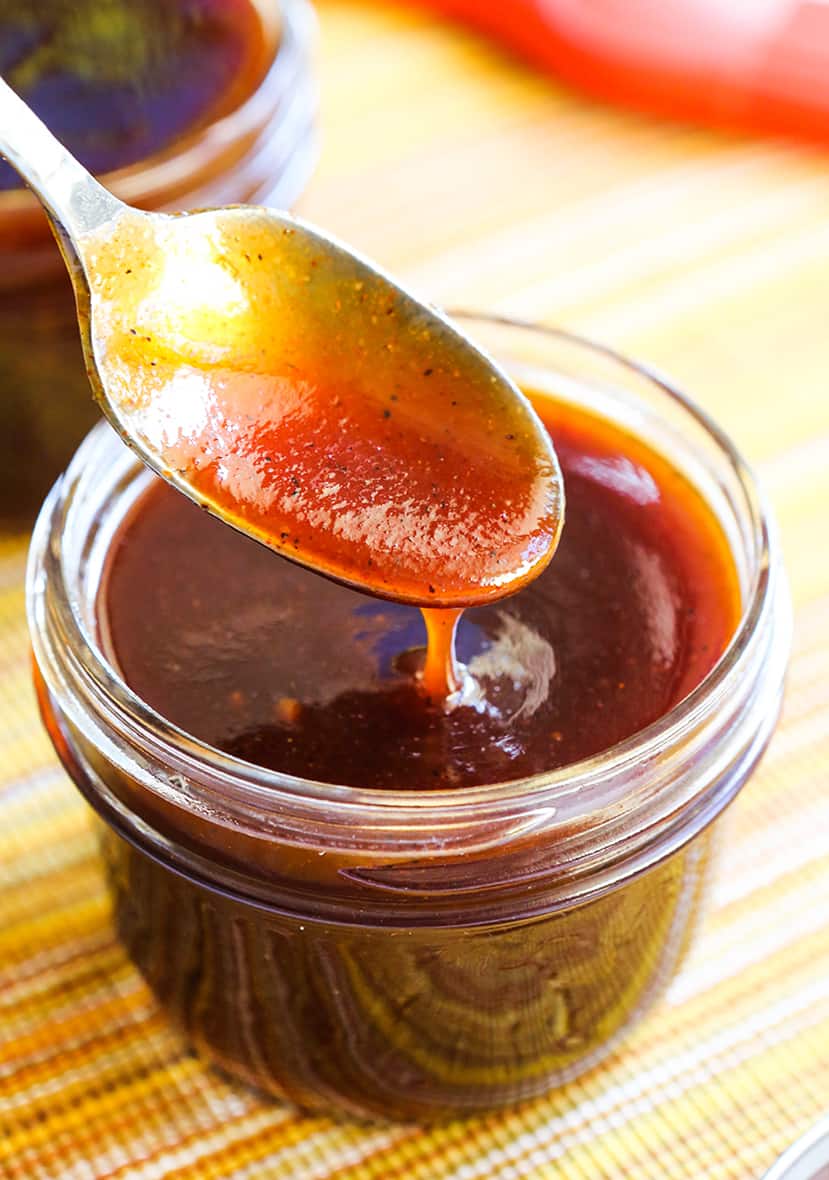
{"x":262,"y":151}
{"x":395,"y":953}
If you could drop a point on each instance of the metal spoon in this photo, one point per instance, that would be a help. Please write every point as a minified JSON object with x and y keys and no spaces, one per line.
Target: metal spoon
{"x":297,"y":392}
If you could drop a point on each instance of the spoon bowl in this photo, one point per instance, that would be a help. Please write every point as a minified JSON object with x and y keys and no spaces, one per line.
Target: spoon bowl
{"x":295,"y":390}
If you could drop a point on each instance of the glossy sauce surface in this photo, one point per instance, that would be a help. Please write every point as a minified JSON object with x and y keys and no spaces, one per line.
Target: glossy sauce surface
{"x":120,"y":81}
{"x":291,"y":389}
{"x":287,"y":670}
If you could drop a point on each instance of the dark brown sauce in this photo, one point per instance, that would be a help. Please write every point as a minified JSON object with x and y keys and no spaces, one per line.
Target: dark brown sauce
{"x":122,"y":81}
{"x":284,"y":669}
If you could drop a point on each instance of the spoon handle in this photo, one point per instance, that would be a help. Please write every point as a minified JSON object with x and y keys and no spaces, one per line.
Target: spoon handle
{"x":74,"y":201}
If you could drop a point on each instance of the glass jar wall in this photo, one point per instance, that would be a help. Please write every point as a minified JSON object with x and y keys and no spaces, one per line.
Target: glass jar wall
{"x":395,"y":953}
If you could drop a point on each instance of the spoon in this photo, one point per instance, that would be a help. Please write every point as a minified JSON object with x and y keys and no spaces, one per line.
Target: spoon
{"x":297,"y":392}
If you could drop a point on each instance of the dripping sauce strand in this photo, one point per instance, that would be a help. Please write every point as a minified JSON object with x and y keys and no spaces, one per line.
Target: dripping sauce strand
{"x":441,"y":675}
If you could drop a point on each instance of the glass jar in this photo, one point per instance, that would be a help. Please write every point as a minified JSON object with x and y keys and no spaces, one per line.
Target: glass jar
{"x":397,"y":953}
{"x":807,"y":1159}
{"x":261,"y":152}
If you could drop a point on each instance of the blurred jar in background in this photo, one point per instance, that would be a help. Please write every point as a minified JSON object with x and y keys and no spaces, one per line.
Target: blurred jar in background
{"x":174,"y":104}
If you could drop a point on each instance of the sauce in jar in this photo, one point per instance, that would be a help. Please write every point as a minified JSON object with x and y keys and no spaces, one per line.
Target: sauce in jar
{"x":283,"y":669}
{"x":418,"y":952}
{"x":254,"y":86}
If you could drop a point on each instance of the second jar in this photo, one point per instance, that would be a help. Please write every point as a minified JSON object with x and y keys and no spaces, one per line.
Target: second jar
{"x":138,"y":75}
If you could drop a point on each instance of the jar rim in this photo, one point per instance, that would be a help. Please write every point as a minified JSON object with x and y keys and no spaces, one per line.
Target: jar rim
{"x":597,"y":786}
{"x":806,"y":1158}
{"x":291,"y":23}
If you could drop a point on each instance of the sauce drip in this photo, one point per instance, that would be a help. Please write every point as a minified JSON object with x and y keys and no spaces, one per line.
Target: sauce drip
{"x":289,"y":671}
{"x":441,"y":677}
{"x":119,"y":82}
{"x":318,"y":408}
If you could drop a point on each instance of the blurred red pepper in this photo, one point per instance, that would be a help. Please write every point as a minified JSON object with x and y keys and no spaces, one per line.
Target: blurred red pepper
{"x":761,"y":64}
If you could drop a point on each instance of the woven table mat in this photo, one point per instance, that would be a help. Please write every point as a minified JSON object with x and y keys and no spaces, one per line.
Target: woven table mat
{"x":487,"y":187}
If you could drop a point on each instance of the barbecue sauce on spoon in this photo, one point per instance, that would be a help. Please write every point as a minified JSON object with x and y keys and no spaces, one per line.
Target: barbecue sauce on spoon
{"x":319,"y":409}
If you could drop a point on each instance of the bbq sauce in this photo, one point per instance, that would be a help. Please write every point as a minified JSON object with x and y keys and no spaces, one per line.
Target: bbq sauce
{"x":119,"y":82}
{"x":303,"y":398}
{"x":277,"y":666}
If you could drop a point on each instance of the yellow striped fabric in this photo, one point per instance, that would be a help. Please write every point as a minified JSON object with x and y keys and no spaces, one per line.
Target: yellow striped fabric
{"x":488,"y":187}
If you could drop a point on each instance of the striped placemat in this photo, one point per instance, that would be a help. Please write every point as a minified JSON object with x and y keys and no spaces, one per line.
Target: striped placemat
{"x":487,"y":187}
